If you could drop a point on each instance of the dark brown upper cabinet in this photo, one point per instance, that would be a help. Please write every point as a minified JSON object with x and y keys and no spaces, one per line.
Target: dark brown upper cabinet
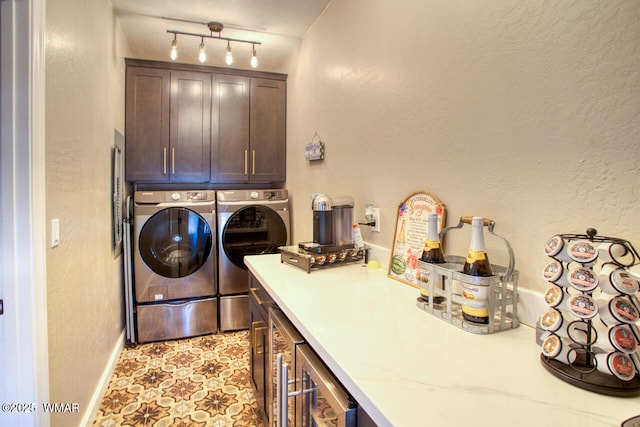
{"x":168,"y":125}
{"x":267,"y":153}
{"x":189,"y":127}
{"x":189,"y":123}
{"x":230,"y":128}
{"x":147,"y":124}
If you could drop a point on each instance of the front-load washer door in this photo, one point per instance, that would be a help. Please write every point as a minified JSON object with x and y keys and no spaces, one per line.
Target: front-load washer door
{"x":175,"y":242}
{"x":252,"y":230}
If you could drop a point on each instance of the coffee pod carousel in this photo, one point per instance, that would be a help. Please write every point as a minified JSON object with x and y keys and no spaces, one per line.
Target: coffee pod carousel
{"x":589,"y":334}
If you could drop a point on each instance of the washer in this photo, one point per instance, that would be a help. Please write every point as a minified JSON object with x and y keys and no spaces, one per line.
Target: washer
{"x":174,"y":264}
{"x":250,"y":222}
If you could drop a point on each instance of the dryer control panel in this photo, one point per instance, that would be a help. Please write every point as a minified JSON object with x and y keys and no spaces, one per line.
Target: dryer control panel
{"x":251,"y":195}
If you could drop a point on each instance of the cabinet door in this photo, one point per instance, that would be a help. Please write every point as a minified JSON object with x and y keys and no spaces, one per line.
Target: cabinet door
{"x":230,"y":129}
{"x":190,"y":128}
{"x":268,"y":131}
{"x":147,"y":124}
{"x":257,"y":357}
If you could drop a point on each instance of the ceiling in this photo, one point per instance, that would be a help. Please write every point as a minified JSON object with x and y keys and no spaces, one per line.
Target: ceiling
{"x":278,"y":24}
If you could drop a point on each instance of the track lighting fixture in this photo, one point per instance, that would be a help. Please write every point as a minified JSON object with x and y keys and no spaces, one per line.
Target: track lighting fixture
{"x":214,"y":27}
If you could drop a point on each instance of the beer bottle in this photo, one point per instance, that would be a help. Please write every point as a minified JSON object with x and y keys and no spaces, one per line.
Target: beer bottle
{"x":432,"y":253}
{"x":475,"y":307}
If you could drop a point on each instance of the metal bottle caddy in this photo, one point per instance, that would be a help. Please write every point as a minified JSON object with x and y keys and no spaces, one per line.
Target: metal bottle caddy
{"x":582,"y":371}
{"x":503,"y":289}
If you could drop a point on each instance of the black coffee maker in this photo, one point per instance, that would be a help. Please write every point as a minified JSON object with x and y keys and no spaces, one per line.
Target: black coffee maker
{"x":333,"y":221}
{"x":322,"y":207}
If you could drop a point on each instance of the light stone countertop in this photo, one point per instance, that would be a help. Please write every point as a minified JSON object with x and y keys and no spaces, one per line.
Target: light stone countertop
{"x":408,"y":368}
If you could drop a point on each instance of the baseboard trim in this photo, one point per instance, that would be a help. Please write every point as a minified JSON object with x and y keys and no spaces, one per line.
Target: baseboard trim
{"x":98,"y":394}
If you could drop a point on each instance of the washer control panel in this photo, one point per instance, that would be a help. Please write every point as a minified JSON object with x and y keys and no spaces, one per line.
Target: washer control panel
{"x":157,"y":197}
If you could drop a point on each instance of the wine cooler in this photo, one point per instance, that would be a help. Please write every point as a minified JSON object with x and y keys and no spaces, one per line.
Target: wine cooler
{"x":302,"y":390}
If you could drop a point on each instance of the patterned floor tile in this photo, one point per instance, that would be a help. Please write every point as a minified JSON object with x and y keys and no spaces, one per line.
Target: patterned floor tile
{"x":201,"y":381}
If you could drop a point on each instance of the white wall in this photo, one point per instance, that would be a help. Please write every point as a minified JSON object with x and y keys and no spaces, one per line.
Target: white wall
{"x":23,"y":324}
{"x":84,"y":103}
{"x":524,"y":112}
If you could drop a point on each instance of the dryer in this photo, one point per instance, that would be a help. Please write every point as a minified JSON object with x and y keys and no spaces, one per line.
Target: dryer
{"x":174,"y":257}
{"x":250,"y":222}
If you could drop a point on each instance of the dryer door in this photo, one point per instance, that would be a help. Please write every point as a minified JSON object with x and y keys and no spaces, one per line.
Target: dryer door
{"x":175,"y":242}
{"x":252,"y":230}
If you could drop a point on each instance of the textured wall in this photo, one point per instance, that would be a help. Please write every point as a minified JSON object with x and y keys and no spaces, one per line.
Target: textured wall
{"x":524,"y":112}
{"x":84,"y":103}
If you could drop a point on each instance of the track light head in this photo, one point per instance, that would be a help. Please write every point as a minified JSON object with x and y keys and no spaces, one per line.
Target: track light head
{"x":202,"y":56}
{"x":254,"y":58}
{"x":174,"y":48}
{"x":228,"y":57}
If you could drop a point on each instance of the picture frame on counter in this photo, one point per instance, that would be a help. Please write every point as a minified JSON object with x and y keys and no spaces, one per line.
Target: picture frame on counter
{"x":410,"y":234}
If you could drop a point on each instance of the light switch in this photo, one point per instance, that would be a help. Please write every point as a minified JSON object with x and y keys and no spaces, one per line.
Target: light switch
{"x":55,"y":232}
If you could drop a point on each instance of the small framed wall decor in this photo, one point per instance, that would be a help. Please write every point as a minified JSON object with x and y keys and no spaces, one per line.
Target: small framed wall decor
{"x":314,"y":150}
{"x":410,"y":234}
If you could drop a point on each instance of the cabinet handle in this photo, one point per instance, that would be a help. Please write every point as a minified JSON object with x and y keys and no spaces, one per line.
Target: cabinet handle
{"x":285,"y":394}
{"x":253,"y":162}
{"x":259,"y":349}
{"x":279,"y":390}
{"x":164,"y":160}
{"x":173,"y":161}
{"x":254,"y":294}
{"x":282,"y":392}
{"x":246,"y":152}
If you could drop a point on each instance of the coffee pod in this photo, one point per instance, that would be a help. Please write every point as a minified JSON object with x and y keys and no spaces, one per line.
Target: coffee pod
{"x":557,"y":249}
{"x":614,"y":280}
{"x":617,"y":363}
{"x":582,"y":251}
{"x":554,"y":296}
{"x":617,"y":310}
{"x":553,"y":322}
{"x":618,"y":338}
{"x":617,"y":253}
{"x":583,"y":279}
{"x":554,"y":272}
{"x":555,"y":347}
{"x":581,"y":306}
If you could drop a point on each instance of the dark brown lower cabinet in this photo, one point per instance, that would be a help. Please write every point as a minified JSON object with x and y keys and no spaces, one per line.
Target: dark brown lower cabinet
{"x":259,"y":303}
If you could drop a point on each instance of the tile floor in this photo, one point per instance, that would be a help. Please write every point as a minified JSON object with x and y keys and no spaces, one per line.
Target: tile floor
{"x":201,"y":381}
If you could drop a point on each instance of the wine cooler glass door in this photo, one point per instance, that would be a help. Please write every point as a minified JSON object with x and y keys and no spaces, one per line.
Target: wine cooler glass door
{"x":283,"y":339}
{"x":322,"y":402}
